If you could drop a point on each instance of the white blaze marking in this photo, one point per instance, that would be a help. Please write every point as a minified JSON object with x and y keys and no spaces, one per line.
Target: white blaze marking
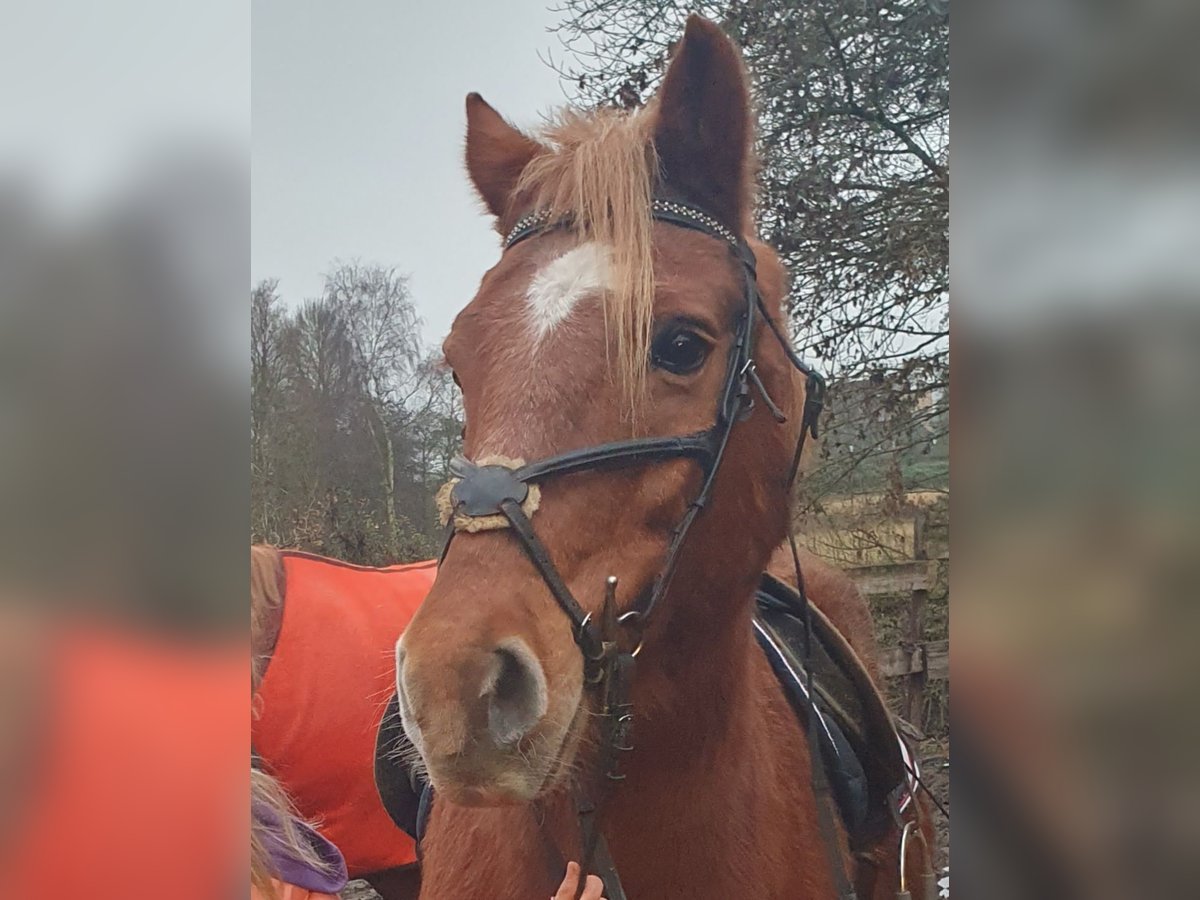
{"x":561,"y":284}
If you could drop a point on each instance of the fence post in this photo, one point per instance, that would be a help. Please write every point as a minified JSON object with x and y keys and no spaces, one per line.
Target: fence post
{"x":914,"y":706}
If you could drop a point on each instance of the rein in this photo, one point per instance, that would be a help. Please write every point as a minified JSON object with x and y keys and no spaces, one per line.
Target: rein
{"x":500,"y":490}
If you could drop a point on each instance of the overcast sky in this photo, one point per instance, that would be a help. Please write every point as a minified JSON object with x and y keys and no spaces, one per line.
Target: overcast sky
{"x":358,"y":130}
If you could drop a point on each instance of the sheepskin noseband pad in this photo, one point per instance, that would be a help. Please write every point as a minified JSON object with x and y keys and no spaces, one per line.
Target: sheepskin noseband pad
{"x":474,"y":499}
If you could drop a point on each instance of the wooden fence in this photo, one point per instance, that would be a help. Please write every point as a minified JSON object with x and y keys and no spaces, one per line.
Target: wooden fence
{"x":916,"y":660}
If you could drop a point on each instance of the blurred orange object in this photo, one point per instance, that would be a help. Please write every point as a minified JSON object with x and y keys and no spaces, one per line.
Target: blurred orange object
{"x":139,"y":787}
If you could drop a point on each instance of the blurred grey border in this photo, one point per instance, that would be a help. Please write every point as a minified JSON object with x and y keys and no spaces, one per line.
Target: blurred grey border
{"x":124,"y":264}
{"x":1076,"y":347}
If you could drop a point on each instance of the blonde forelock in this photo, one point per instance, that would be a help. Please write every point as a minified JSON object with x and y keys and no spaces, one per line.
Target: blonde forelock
{"x":598,"y":175}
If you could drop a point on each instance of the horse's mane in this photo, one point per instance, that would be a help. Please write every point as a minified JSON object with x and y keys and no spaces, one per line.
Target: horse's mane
{"x":598,"y":175}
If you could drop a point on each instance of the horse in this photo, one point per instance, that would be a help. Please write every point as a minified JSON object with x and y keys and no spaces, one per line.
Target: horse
{"x":583,"y":678}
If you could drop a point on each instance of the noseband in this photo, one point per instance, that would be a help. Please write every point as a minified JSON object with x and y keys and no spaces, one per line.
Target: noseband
{"x":497,"y":490}
{"x":490,"y":490}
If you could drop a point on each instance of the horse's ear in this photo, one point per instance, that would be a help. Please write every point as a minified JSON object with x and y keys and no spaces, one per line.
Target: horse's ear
{"x":703,"y":134}
{"x":497,"y":153}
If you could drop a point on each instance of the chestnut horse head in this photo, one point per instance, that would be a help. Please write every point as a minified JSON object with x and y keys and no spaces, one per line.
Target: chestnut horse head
{"x":604,"y":322}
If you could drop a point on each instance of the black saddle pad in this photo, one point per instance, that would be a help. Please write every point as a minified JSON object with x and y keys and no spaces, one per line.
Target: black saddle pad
{"x":858,"y":740}
{"x":405,"y":794}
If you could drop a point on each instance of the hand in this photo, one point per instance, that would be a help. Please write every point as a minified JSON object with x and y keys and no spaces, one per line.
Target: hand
{"x":592,"y":890}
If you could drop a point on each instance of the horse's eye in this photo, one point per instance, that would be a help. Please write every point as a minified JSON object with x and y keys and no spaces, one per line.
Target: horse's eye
{"x":679,"y":350}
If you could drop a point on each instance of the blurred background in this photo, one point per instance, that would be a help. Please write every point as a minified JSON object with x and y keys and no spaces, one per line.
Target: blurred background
{"x":1077,"y":319}
{"x":124,"y":260}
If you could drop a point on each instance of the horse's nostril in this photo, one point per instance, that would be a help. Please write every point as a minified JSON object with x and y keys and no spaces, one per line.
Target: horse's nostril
{"x":515,"y":694}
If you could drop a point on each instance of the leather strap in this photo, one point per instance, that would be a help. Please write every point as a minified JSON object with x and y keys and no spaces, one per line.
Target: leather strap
{"x":820,"y":780}
{"x":606,"y":869}
{"x":586,"y":634}
{"x":620,"y":453}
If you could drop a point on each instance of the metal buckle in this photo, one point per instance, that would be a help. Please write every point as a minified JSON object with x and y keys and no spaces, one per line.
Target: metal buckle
{"x":633,"y":615}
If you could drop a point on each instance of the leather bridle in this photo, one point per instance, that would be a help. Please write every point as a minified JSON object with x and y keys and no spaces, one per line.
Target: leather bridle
{"x":490,"y":490}
{"x":487,"y":490}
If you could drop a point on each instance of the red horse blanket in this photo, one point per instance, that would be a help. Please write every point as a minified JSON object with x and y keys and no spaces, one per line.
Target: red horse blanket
{"x":324,"y":692}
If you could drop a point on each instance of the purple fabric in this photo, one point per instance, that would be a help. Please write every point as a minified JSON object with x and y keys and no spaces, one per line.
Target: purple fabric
{"x":295,"y":871}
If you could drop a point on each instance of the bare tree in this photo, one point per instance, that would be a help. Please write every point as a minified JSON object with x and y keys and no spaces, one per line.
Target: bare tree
{"x":384,"y":331}
{"x":853,"y":123}
{"x":352,"y":423}
{"x":266,"y":389}
{"x":323,"y":382}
